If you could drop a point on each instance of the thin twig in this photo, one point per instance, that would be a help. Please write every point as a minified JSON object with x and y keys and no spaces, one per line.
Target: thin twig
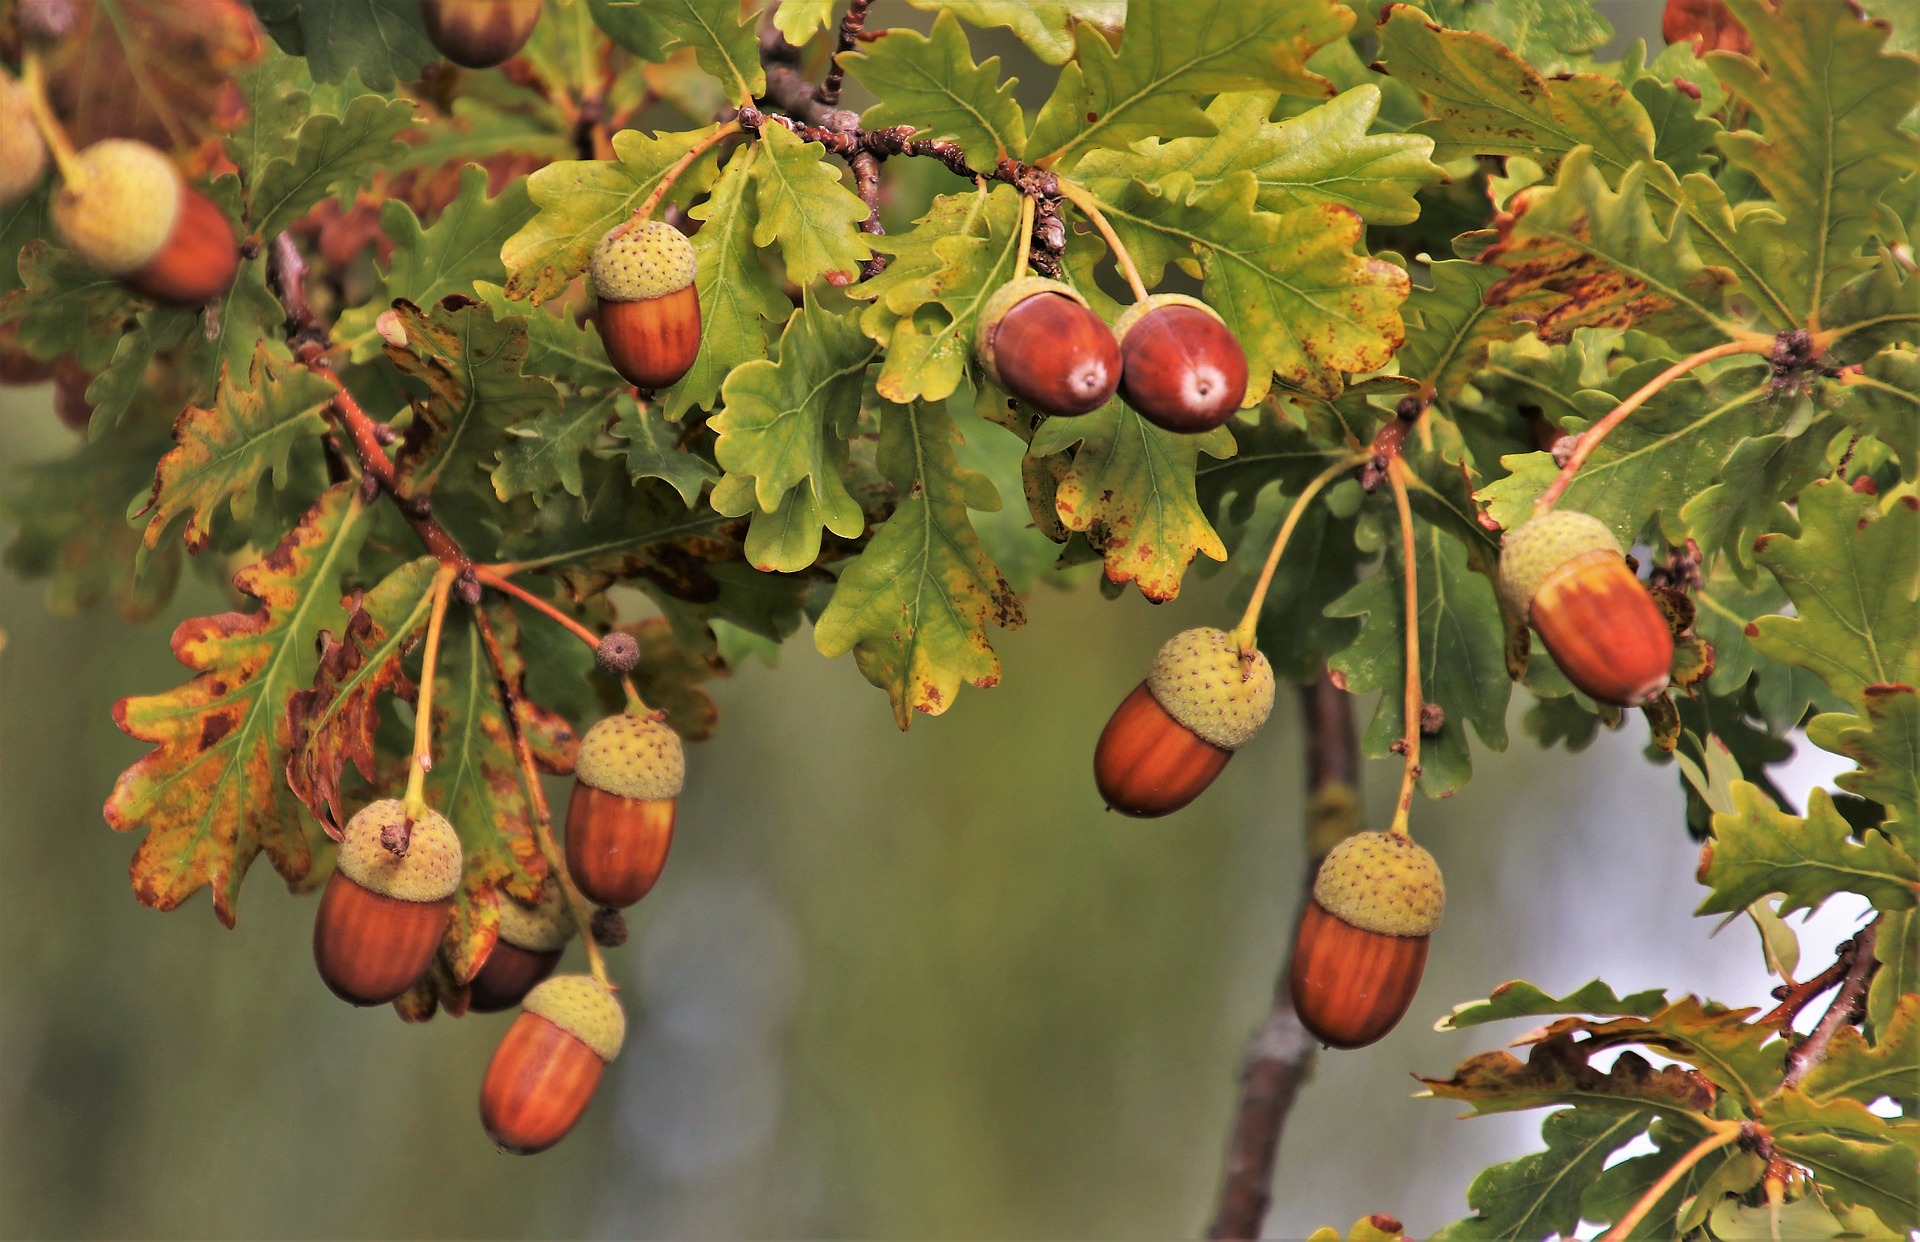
{"x":1724,"y":1132}
{"x":1415,"y":702}
{"x":1243,"y":633}
{"x":1090,"y":208}
{"x":491,"y":576}
{"x":644,"y":212}
{"x":33,"y":79}
{"x":1795,"y":997}
{"x":422,"y":760}
{"x":1844,"y":1011}
{"x":850,"y":28}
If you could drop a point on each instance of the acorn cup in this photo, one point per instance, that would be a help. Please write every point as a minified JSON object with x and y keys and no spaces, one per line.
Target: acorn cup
{"x":626,"y":789}
{"x":23,"y":153}
{"x":1168,"y":739}
{"x":130,"y":213}
{"x":1039,"y":340}
{"x":1180,"y":366}
{"x":529,"y":946}
{"x":1362,"y":942}
{"x":544,"y":1072}
{"x":649,"y":311}
{"x":382,"y":915}
{"x":1563,"y":574}
{"x":479,"y":34}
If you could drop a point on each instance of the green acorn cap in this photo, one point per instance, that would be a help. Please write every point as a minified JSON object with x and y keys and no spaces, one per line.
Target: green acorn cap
{"x":1154,"y":301}
{"x":428,"y":871}
{"x":121,"y":207}
{"x":1536,"y":548}
{"x":584,"y":1008}
{"x":1198,"y":676}
{"x":650,"y":260}
{"x":538,"y":928}
{"x":634,"y":757}
{"x":1382,"y":882}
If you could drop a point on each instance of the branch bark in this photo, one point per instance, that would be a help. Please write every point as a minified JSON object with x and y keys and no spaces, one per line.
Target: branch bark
{"x":1848,"y":1005}
{"x":1279,"y":1058}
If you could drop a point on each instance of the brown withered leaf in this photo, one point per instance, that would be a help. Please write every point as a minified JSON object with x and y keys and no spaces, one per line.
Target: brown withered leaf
{"x":334,"y":723}
{"x":157,"y":70}
{"x":1556,"y":1072}
{"x":1740,"y":1055}
{"x":213,"y":794}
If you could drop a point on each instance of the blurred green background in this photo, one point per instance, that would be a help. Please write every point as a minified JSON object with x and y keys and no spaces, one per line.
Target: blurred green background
{"x":906,"y":986}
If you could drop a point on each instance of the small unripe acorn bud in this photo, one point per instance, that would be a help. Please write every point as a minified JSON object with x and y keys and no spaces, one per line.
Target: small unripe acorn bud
{"x":618,"y":654}
{"x":130,"y":213}
{"x":1039,"y":340}
{"x":528,"y":948}
{"x":479,"y":34}
{"x":1362,"y":943}
{"x":544,"y":1072}
{"x":1176,"y":731}
{"x":23,"y":153}
{"x":1179,"y":364}
{"x":626,"y":789}
{"x":383,"y":914}
{"x":649,"y":311}
{"x":1563,"y":574}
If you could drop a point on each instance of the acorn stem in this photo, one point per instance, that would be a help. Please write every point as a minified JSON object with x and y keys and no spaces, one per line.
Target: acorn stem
{"x":1089,"y":207}
{"x":1415,"y":701}
{"x":1024,"y":234}
{"x":1723,"y":1133}
{"x":644,"y":212}
{"x":55,"y":135}
{"x":1589,"y":440}
{"x":492,"y":576}
{"x":578,"y":906}
{"x":1243,"y":633}
{"x":416,"y":800}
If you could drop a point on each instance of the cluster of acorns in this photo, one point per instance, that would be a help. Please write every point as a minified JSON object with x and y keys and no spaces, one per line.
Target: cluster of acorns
{"x":388,"y":908}
{"x":1361,"y":946}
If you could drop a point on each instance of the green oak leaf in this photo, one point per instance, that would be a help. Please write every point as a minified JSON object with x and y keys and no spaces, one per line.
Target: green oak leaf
{"x":63,"y":305}
{"x":1882,"y":399}
{"x":579,"y":201}
{"x":1782,"y":693}
{"x":557,"y":346}
{"x":381,"y":40}
{"x":1451,"y":329}
{"x":278,"y":90}
{"x":654,"y":451}
{"x":1323,"y":155}
{"x":1538,"y":1196}
{"x":1758,"y":849}
{"x":1755,"y":483}
{"x":722,"y":39}
{"x":1168,"y":55}
{"x":1554,"y":36}
{"x":914,"y":607}
{"x":1520,"y":999}
{"x":1684,"y":136}
{"x":462,"y":247}
{"x":1463,"y":666}
{"x":1854,"y":578}
{"x":1885,"y":741}
{"x":805,"y":208}
{"x":1881,"y":1177}
{"x":800,"y":20}
{"x":783,"y":428}
{"x":1617,"y":1190}
{"x":1890,"y":1004}
{"x":1304,"y":304}
{"x":223,"y":454}
{"x":1045,"y":26}
{"x":930,"y":82}
{"x":1853,"y":1069}
{"x":332,"y":153}
{"x":643,"y":533}
{"x":542,"y":455}
{"x":1130,"y":490}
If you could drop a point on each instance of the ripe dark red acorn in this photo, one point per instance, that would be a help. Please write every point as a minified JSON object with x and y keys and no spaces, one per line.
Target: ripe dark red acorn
{"x":627,"y":782}
{"x":1039,"y":340}
{"x":479,"y":34}
{"x":543,"y":1074}
{"x":1180,"y":366}
{"x":648,"y":310}
{"x":1362,"y":943}
{"x":129,"y":213}
{"x":383,"y":915}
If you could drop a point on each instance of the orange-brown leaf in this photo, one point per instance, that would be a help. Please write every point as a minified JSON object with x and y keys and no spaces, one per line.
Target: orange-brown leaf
{"x":157,"y":70}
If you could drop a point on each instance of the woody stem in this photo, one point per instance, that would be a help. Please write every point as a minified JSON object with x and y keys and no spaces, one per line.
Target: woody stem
{"x":33,"y":79}
{"x":1243,"y":633}
{"x":489,"y":576}
{"x":1090,"y":207}
{"x":416,"y":799}
{"x":1725,"y":1132}
{"x":644,"y":212}
{"x":1415,"y":701}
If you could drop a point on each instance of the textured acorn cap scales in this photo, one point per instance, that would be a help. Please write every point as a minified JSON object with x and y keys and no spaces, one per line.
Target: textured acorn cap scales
{"x":1535,"y":549}
{"x":649,"y":260}
{"x":633,"y":757}
{"x":428,"y":871}
{"x":540,"y":928}
{"x":1138,"y":311}
{"x":1199,"y":678}
{"x":1382,"y":882}
{"x":23,"y":153}
{"x":584,"y":1008}
{"x":119,"y":210}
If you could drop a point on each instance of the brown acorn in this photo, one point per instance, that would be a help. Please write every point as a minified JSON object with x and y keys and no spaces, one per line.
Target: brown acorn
{"x":544,"y":1072}
{"x":528,"y":948}
{"x":1362,"y":943}
{"x":626,"y":789}
{"x":1169,"y":738}
{"x":1180,"y":366}
{"x":1707,"y":24}
{"x":649,"y":311}
{"x":1039,"y":340}
{"x":479,"y":34}
{"x":130,"y":213}
{"x":383,"y":914}
{"x":23,"y":153}
{"x":1563,"y":574}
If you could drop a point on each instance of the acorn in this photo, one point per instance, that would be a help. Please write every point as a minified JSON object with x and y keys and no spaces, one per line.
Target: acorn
{"x":1179,"y":364}
{"x":1039,"y":340}
{"x":1169,"y":738}
{"x":528,"y":948}
{"x":1563,"y":574}
{"x":129,"y":212}
{"x":479,"y":34}
{"x":626,"y":788}
{"x":383,"y":914}
{"x":23,"y":153}
{"x":1362,"y":943}
{"x":649,"y":310}
{"x":543,"y":1073}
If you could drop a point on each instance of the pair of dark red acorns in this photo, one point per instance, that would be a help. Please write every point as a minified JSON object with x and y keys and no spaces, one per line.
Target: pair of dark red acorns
{"x":1169,"y":356}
